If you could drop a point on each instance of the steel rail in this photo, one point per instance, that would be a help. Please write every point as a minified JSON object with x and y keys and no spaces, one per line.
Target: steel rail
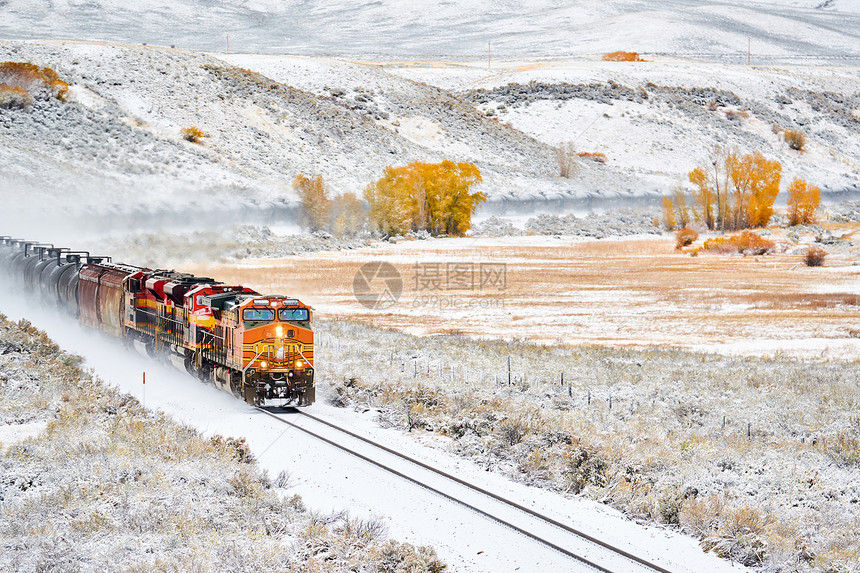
{"x":495,"y":496}
{"x":472,"y":487}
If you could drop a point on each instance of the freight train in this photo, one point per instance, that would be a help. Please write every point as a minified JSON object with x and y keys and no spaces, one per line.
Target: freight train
{"x":258,"y":347}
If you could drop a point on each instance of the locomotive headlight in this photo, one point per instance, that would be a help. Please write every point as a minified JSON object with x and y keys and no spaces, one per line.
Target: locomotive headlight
{"x":298,"y":363}
{"x":279,"y":331}
{"x":263,"y":364}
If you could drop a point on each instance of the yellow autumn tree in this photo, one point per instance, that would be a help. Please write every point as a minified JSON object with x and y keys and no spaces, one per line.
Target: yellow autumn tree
{"x":803,"y":200}
{"x":668,"y":214}
{"x":679,"y":204}
{"x":347,"y":214}
{"x":314,"y":200}
{"x":390,"y":200}
{"x":735,"y":191}
{"x":755,"y":182}
{"x":435,"y":197}
{"x":711,"y":196}
{"x":703,"y":196}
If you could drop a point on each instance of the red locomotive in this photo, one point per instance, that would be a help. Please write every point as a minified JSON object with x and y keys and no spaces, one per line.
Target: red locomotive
{"x":259,"y":347}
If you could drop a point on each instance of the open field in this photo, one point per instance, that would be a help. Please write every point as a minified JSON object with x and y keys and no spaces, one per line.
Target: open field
{"x":625,"y":292}
{"x":756,"y":456}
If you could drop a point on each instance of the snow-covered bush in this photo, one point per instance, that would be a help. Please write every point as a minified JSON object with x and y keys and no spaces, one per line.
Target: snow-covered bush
{"x":35,"y":81}
{"x":192,"y":133}
{"x":795,"y":139}
{"x":814,"y":256}
{"x":685,"y":237}
{"x":14,"y":97}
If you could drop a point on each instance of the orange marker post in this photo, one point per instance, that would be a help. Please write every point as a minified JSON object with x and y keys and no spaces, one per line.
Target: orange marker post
{"x":144,"y":389}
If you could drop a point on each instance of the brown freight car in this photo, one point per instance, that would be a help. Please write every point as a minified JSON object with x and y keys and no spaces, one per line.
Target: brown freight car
{"x":100,"y":296}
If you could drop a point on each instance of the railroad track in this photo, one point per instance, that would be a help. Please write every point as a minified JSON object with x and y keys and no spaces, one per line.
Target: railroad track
{"x":577,"y":545}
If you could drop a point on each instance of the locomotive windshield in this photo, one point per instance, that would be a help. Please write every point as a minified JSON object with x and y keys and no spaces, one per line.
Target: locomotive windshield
{"x":256,"y":316}
{"x":293,"y":314}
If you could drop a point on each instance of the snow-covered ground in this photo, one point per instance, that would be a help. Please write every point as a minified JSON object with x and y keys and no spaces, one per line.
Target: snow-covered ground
{"x":330,"y":480}
{"x":113,"y":155}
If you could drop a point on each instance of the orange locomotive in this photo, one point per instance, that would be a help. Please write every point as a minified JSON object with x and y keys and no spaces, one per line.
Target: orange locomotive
{"x":258,"y":347}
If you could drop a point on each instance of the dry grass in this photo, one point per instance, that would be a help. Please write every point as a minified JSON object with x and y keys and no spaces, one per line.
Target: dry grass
{"x":747,"y":243}
{"x":192,"y":134}
{"x":619,"y":292}
{"x":795,"y":139}
{"x":567,"y":159}
{"x":595,"y":156}
{"x":848,"y":302}
{"x":814,"y":256}
{"x":622,"y":56}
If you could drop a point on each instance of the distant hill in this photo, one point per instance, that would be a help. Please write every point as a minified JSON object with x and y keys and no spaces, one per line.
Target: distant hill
{"x":791,"y":31}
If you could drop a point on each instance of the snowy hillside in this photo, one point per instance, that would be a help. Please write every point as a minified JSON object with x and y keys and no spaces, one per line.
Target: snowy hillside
{"x":655,"y":121}
{"x":796,"y":31}
{"x":117,"y":140}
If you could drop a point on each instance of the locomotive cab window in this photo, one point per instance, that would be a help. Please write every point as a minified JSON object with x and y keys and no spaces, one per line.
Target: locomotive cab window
{"x":257,"y":316}
{"x":294,"y":314}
